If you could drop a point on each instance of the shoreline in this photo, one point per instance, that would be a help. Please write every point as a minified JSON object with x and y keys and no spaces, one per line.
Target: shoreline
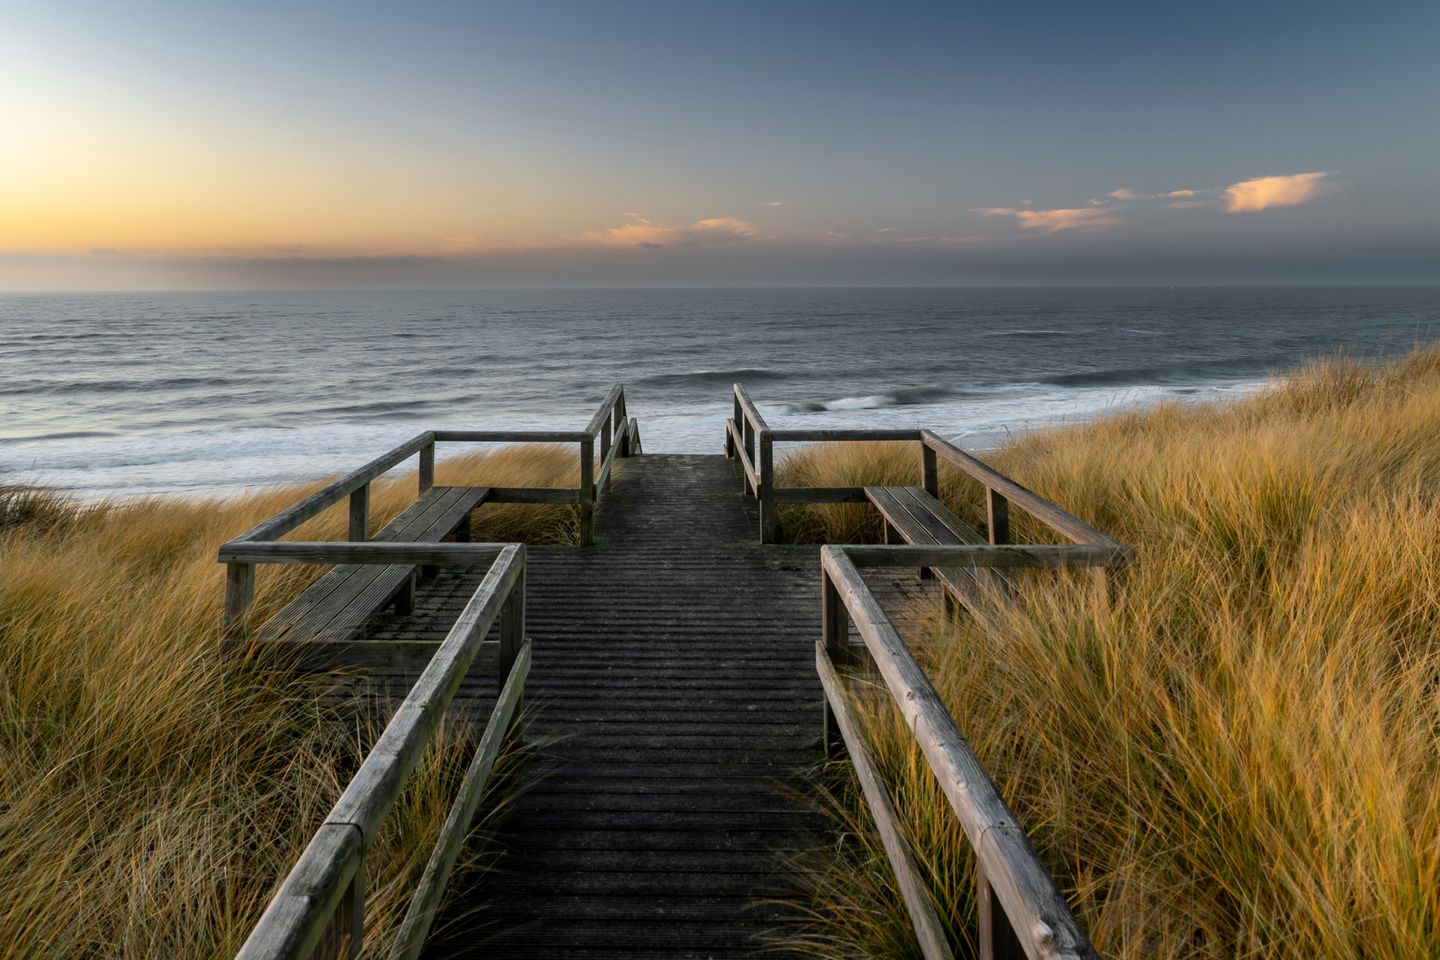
{"x":274,"y":463}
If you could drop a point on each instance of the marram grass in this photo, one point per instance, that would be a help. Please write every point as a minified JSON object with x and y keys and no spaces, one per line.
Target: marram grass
{"x":1240,"y":756}
{"x":153,"y":792}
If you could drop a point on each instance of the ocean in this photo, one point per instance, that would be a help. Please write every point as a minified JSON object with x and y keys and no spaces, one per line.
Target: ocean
{"x":125,"y":394}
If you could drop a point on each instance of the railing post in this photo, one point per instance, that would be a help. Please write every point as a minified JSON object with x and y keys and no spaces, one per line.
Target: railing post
{"x":239,"y":591}
{"x":929,"y":470}
{"x":997,"y":516}
{"x":765,"y":495}
{"x":512,"y":630}
{"x":427,"y":467}
{"x":622,"y":425}
{"x":835,"y":630}
{"x":354,"y":906}
{"x":750,"y":441}
{"x":997,"y":937}
{"x":605,"y":434}
{"x":344,"y":936}
{"x":587,"y":491}
{"x":360,"y":514}
{"x":735,"y":418}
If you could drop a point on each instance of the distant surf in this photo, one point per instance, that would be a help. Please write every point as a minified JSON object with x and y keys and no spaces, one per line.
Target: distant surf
{"x":107,"y":394}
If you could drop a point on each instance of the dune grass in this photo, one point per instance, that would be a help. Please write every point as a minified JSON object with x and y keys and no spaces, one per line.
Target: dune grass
{"x":153,"y":792}
{"x":1239,"y":756}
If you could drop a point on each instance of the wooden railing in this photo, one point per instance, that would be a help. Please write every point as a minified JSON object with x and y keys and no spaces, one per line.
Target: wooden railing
{"x":319,"y":910}
{"x":619,"y":435}
{"x":749,"y":439}
{"x":1021,"y":912}
{"x":747,"y":427}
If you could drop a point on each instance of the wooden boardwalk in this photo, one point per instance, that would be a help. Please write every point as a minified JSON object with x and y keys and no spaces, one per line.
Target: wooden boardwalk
{"x":674,"y":683}
{"x":682,"y":678}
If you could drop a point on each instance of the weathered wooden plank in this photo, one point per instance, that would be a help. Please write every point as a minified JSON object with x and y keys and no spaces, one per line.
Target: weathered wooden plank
{"x":922,"y":503}
{"x":1038,"y":913}
{"x":239,"y":590}
{"x":986,"y":555}
{"x":510,"y":436}
{"x":292,"y":517}
{"x":330,"y":551}
{"x":840,"y":434}
{"x":415,"y":927}
{"x":748,"y":408}
{"x":603,"y":413}
{"x":426,"y":472}
{"x":360,"y":513}
{"x":764,"y":493}
{"x":929,"y":471}
{"x":587,"y":492}
{"x":997,"y":516}
{"x":928,"y":930}
{"x":607,"y":460}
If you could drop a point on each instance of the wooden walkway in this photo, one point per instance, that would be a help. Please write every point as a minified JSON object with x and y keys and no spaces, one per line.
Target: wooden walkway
{"x":674,"y":682}
{"x":682,"y":678}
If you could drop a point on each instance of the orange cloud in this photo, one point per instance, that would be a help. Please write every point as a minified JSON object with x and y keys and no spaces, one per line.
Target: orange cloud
{"x":1085,"y":219}
{"x":1262,"y":193}
{"x":640,"y":232}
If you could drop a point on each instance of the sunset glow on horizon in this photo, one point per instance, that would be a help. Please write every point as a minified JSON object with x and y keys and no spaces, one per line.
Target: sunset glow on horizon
{"x":169,"y":145}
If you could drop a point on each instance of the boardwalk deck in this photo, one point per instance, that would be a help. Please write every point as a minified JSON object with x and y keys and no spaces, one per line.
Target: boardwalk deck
{"x":674,"y":683}
{"x":675,"y":701}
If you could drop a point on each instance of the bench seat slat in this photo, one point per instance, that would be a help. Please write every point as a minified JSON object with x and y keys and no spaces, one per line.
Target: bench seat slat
{"x":921,"y":519}
{"x":337,"y":605}
{"x":321,"y":600}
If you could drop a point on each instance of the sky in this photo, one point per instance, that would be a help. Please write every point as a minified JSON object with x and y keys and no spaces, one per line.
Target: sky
{"x":167,"y":145}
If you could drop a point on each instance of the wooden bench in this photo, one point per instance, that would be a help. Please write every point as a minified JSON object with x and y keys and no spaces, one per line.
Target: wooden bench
{"x":332,"y":612}
{"x":917,"y":517}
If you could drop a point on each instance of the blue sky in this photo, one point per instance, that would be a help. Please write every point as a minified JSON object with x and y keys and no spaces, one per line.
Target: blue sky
{"x":164,"y":144}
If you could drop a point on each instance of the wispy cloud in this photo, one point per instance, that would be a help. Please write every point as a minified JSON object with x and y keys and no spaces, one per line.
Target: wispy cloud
{"x":1262,"y":193}
{"x":1085,"y":219}
{"x":649,"y":235}
{"x":774,"y":203}
{"x":1179,"y":198}
{"x":1259,"y":193}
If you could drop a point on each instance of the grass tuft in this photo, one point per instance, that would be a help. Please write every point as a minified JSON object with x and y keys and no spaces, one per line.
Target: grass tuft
{"x":153,"y":792}
{"x":1238,"y":757}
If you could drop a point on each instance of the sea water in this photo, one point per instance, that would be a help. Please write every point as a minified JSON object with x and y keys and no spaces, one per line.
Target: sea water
{"x":119,"y":394}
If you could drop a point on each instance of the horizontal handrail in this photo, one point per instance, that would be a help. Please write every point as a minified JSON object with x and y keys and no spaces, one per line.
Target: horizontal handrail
{"x":614,"y":397}
{"x":1043,"y":510}
{"x":332,"y":493}
{"x":365,"y":552}
{"x":321,"y":901}
{"x":619,"y":437}
{"x":1000,"y":489}
{"x":840,"y":434}
{"x":991,"y":555}
{"x":511,"y":436}
{"x":1032,"y":913}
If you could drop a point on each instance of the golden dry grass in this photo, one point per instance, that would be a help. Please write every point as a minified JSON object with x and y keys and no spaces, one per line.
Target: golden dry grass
{"x":1239,"y":757}
{"x":152,"y":792}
